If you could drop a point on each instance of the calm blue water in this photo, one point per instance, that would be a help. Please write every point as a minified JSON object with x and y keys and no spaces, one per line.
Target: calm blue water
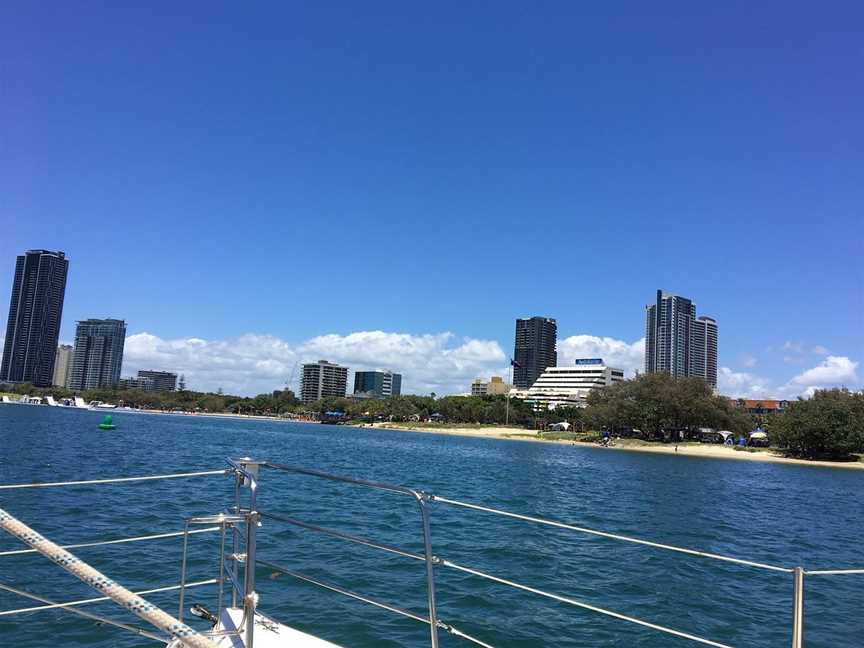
{"x":776,"y":514}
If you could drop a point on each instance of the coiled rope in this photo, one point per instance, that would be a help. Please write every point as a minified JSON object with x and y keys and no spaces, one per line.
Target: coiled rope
{"x":99,"y":581}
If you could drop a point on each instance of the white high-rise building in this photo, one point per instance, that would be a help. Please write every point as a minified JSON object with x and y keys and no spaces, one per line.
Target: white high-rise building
{"x":703,"y":359}
{"x":322,"y":379}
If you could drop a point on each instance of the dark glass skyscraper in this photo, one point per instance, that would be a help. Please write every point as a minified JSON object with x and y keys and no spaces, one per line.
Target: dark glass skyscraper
{"x":377,"y":384}
{"x":35,"y":310}
{"x":98,"y":355}
{"x":668,"y":334}
{"x":678,"y":343}
{"x":535,"y":349}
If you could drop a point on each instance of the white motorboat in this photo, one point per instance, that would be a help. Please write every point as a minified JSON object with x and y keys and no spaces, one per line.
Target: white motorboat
{"x":99,"y":405}
{"x":30,"y":400}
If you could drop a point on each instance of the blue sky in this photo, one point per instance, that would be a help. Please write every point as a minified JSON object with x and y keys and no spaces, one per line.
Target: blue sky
{"x":287,"y":172}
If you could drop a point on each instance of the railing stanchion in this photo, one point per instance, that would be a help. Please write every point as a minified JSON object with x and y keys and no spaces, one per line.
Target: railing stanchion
{"x":249,"y":602}
{"x":798,"y":609}
{"x":183,"y":570}
{"x":221,"y":596}
{"x":235,"y":542}
{"x":430,"y":569}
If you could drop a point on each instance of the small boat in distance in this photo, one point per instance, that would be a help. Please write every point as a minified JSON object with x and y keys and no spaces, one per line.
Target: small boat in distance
{"x":99,"y":405}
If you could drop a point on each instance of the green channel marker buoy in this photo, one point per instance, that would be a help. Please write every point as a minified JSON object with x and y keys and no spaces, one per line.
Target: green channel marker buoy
{"x":107,"y":423}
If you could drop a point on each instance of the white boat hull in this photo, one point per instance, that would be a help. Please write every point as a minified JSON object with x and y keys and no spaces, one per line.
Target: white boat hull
{"x":268,"y":634}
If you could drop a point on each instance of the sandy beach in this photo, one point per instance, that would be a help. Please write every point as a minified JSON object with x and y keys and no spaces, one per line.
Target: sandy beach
{"x":704,"y":450}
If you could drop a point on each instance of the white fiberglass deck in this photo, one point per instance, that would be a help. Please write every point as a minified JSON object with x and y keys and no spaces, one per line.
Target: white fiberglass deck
{"x":268,"y":634}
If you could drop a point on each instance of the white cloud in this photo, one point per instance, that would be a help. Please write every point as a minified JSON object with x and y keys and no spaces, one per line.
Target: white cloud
{"x":741,"y":384}
{"x":629,"y":356}
{"x":438,"y":362}
{"x":253,"y":364}
{"x":833,"y":371}
{"x":799,"y":353}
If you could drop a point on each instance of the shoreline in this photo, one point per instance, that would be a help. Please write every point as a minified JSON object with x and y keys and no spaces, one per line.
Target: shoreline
{"x":121,"y":410}
{"x":697,"y":450}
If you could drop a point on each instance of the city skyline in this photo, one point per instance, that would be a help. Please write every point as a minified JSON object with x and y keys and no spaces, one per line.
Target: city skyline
{"x":269,"y":359}
{"x":295,"y":179}
{"x":454,"y":362}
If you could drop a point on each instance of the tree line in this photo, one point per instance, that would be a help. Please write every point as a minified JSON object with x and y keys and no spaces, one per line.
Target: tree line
{"x":657,"y":406}
{"x":270,"y":404}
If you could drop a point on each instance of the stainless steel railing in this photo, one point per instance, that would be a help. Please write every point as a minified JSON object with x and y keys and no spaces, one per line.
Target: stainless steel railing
{"x":432,"y":560}
{"x":242,"y":521}
{"x":419,"y":497}
{"x":244,"y":517}
{"x":72,"y":606}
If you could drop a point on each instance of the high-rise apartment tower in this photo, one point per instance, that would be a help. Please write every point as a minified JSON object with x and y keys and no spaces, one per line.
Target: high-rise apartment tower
{"x":678,"y":343}
{"x":35,"y":309}
{"x":535,"y":349}
{"x":98,"y":355}
{"x":322,"y":379}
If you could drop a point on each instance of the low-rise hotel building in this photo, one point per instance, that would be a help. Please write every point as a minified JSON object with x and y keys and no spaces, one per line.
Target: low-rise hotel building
{"x":570,"y":386}
{"x":495,"y":387}
{"x":136,"y":382}
{"x":162,"y":380}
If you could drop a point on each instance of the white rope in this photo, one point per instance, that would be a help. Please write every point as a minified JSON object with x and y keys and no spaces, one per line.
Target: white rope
{"x":115,"y":480}
{"x":613,"y":536}
{"x":100,"y":543}
{"x":586,"y":606}
{"x":86,"y":615}
{"x":100,"y":599}
{"x":99,"y":581}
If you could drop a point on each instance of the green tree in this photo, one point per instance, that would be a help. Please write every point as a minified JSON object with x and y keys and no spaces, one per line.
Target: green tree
{"x":829,"y":425}
{"x":656,"y":402}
